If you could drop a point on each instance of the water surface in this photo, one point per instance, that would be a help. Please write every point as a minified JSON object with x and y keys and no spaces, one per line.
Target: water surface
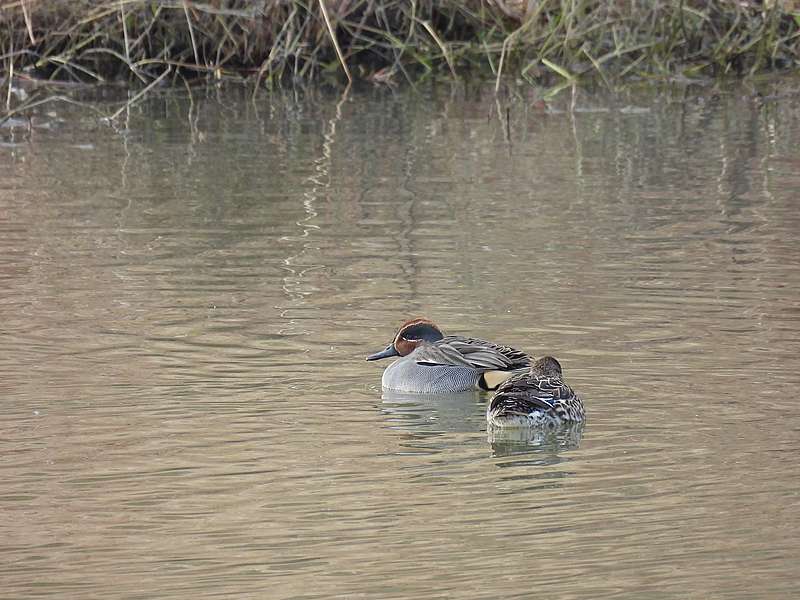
{"x":187,"y":300}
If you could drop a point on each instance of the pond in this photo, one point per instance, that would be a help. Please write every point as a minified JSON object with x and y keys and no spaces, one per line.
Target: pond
{"x":188,"y":297}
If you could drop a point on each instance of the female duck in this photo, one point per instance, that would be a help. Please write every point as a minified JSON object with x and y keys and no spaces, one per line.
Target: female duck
{"x":536,"y":397}
{"x":433,"y":363}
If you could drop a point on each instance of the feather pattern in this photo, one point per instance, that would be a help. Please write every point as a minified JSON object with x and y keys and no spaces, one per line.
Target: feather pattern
{"x":471,"y":352}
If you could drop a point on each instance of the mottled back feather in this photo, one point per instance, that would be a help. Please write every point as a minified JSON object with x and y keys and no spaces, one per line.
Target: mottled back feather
{"x":527,"y":394}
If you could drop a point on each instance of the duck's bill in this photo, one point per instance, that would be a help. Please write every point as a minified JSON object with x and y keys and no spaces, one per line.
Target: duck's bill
{"x":386,"y":353}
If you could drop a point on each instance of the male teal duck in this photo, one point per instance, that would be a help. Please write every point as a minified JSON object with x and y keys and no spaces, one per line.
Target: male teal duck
{"x":536,"y":397}
{"x":432,"y":363}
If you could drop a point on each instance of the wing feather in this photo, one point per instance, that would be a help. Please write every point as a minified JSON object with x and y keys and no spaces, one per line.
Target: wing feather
{"x":472,"y":352}
{"x":525,"y":393}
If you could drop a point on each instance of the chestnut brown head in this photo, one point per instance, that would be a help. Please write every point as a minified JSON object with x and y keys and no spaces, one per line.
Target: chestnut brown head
{"x":410,"y":335}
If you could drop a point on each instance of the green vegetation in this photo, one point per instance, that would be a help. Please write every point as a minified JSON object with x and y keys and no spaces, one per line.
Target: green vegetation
{"x":274,"y":41}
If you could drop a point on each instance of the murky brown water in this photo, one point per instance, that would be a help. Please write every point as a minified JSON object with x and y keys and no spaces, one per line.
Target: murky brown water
{"x":187,"y":302}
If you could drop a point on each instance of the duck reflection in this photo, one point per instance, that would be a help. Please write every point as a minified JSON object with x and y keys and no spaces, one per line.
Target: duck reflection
{"x":507,"y":441}
{"x":462,"y":412}
{"x":424,"y":416}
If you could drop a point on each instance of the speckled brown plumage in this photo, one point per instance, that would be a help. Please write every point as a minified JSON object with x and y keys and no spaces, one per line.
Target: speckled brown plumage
{"x":538,"y":396}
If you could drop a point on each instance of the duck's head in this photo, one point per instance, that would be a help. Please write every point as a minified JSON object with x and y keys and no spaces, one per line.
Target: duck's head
{"x":547,"y":366}
{"x":410,"y":335}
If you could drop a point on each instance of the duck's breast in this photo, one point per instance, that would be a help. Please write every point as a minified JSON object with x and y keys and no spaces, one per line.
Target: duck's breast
{"x":406,"y":375}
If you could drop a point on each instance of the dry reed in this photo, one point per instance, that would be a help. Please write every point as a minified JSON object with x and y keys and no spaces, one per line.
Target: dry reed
{"x":279,"y":40}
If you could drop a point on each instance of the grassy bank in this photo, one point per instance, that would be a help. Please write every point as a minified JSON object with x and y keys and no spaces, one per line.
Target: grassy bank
{"x":274,"y":41}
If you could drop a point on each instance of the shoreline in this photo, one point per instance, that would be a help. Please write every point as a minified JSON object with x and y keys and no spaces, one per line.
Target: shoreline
{"x":391,"y":41}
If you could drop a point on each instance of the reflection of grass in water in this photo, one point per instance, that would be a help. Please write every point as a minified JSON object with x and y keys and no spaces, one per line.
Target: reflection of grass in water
{"x":508,"y":441}
{"x":382,"y":39}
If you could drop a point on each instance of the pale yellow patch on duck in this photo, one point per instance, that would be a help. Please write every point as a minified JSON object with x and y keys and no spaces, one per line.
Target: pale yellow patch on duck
{"x":493,"y":379}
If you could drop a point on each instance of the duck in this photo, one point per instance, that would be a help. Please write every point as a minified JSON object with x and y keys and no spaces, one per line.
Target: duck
{"x":430,"y":362}
{"x":536,"y":397}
